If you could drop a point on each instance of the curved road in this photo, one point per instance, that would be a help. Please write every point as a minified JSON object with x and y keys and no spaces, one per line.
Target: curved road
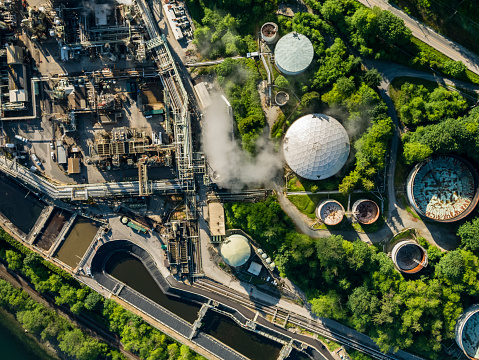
{"x":398,"y":218}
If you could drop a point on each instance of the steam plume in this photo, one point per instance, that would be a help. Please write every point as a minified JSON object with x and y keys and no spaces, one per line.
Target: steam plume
{"x":233,"y":167}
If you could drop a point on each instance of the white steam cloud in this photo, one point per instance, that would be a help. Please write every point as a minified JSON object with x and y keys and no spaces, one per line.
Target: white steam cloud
{"x":233,"y":167}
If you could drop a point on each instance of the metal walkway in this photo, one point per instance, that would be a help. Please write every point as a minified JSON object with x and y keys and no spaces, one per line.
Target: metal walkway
{"x":83,"y":191}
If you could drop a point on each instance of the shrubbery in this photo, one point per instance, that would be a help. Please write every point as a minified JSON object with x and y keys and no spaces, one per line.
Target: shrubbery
{"x":136,"y":336}
{"x":358,"y":285}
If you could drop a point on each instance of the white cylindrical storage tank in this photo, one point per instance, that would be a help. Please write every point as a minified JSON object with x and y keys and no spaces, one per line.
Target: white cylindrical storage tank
{"x":467,"y":332}
{"x":269,"y":32}
{"x":293,"y":54}
{"x":268,"y":260}
{"x":330,"y":212}
{"x":365,"y":211}
{"x":260,"y":251}
{"x":409,"y":257}
{"x":316,"y":146}
{"x":272,"y":266}
{"x":235,"y":250}
{"x":264,"y":256}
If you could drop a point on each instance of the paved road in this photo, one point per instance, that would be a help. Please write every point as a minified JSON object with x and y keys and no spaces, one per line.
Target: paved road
{"x":430,"y":37}
{"x":398,"y":218}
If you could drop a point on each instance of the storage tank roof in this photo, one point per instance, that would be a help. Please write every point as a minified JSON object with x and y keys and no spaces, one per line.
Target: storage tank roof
{"x":235,"y":250}
{"x":316,"y":146}
{"x":443,"y":188}
{"x":470,"y":336}
{"x":293,"y":53}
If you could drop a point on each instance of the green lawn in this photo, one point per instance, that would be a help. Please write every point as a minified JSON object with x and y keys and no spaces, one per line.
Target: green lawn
{"x":297,"y":183}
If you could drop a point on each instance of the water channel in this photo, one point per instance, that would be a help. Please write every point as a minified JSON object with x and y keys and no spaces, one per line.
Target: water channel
{"x":77,"y":241}
{"x":19,"y":205}
{"x":130,"y":270}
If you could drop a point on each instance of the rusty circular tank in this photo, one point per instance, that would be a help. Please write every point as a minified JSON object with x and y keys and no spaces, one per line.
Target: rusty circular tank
{"x":365,"y":211}
{"x":269,"y":32}
{"x":443,"y":188}
{"x":409,"y":256}
{"x":330,"y":212}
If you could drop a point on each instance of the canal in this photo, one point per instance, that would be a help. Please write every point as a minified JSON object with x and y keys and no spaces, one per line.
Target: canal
{"x":131,"y":271}
{"x":77,"y":242}
{"x":19,"y":205}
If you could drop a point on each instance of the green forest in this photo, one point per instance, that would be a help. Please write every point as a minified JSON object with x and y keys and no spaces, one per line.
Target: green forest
{"x":358,"y":285}
{"x":136,"y":335}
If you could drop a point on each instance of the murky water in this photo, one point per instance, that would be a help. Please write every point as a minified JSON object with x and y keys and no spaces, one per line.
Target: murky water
{"x":77,"y":241}
{"x":297,"y":355}
{"x":19,"y":205}
{"x":250,"y":344}
{"x":131,"y":271}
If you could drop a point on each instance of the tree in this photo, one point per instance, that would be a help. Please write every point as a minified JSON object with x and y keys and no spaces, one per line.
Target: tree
{"x":415,"y":152}
{"x":328,"y":306}
{"x":14,"y":259}
{"x":455,"y":69}
{"x":281,"y":81}
{"x":392,"y":28}
{"x":451,"y":267}
{"x":332,"y":11}
{"x":372,"y":78}
{"x":469,"y":234}
{"x":93,"y":300}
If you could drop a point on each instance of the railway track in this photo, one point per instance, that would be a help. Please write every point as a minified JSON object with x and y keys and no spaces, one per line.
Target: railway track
{"x":280,"y":317}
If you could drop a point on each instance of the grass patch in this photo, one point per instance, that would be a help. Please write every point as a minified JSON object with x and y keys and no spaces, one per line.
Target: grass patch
{"x":307,"y":203}
{"x":297,"y":183}
{"x":332,"y":345}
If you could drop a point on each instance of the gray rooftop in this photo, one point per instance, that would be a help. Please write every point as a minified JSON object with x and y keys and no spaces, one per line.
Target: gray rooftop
{"x":293,"y":53}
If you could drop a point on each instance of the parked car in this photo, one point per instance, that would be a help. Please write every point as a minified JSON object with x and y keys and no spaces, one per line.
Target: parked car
{"x":52,"y":154}
{"x":52,"y":145}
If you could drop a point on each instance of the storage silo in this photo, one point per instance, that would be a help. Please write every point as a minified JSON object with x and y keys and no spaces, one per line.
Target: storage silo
{"x":330,"y":212}
{"x":443,"y":188}
{"x":269,"y":32}
{"x":316,"y":146}
{"x":467,"y":332}
{"x":365,"y":211}
{"x":293,"y":54}
{"x":409,"y":257}
{"x":235,"y":250}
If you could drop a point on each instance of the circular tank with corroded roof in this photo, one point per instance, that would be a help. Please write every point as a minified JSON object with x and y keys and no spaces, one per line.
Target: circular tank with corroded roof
{"x":409,"y":256}
{"x":330,"y":212}
{"x":293,"y":53}
{"x":235,"y":250}
{"x":365,"y":211}
{"x":269,"y":32}
{"x":467,"y":332}
{"x":443,"y":188}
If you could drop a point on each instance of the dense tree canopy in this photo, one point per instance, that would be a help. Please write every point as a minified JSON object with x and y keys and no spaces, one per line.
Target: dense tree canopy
{"x":358,"y":285}
{"x":418,"y":105}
